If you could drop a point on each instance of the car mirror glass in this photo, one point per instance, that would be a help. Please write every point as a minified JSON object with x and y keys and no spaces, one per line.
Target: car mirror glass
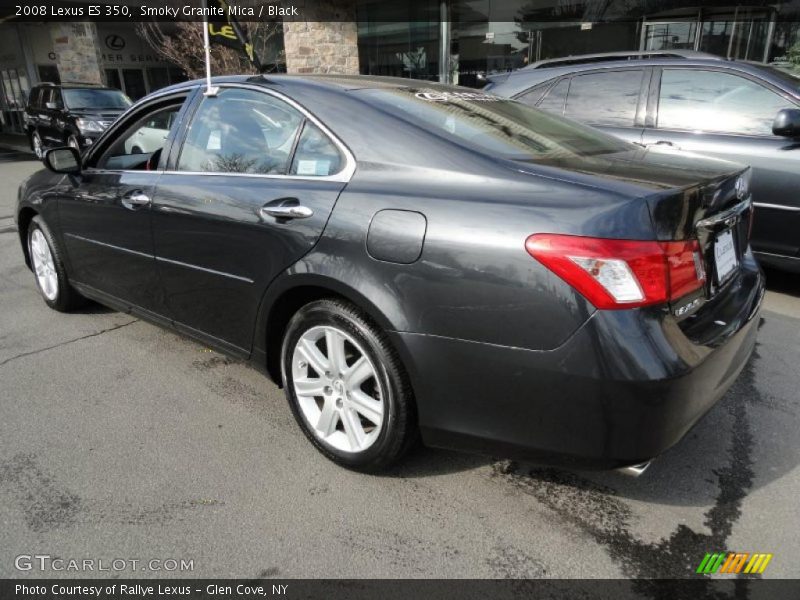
{"x":787,"y":123}
{"x":63,"y":160}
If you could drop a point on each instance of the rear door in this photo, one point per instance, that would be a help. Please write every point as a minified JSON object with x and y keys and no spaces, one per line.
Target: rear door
{"x":719,"y":113}
{"x":610,"y":99}
{"x":247,"y":195}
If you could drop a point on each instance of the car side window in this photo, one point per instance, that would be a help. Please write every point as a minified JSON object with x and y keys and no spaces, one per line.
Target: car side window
{"x":534,"y":94}
{"x":241,"y":131}
{"x":139,"y":146}
{"x":555,"y":99}
{"x":714,"y":101}
{"x":608,"y":98}
{"x":316,"y":154}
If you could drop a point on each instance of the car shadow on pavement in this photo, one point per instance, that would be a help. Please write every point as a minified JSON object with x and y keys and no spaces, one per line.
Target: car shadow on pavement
{"x":783,"y":282}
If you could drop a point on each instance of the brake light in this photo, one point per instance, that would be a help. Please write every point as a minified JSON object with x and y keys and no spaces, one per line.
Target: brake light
{"x":614,"y":274}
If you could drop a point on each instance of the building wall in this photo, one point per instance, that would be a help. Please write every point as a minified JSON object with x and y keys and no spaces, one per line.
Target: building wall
{"x":326,"y":41}
{"x":77,"y":52}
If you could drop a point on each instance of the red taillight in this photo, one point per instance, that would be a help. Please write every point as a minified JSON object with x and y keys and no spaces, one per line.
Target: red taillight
{"x":614,"y":274}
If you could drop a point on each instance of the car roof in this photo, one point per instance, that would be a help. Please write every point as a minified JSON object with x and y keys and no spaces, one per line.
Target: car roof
{"x":323,"y":81}
{"x":515,"y":82}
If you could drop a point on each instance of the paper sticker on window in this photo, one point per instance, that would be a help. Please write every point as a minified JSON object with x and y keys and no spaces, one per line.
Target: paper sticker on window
{"x":214,"y":141}
{"x":313,"y":167}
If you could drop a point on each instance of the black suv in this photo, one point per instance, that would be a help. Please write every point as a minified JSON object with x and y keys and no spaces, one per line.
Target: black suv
{"x":740,"y":111}
{"x":71,"y":114}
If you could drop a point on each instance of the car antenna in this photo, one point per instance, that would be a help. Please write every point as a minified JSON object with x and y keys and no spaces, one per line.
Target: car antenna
{"x":211,"y":91}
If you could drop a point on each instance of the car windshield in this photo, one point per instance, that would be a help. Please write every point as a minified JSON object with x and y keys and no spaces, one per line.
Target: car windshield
{"x":77,"y":98}
{"x":495,"y":125}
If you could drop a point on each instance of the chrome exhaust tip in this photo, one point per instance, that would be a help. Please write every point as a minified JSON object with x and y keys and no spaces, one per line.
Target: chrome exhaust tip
{"x":634,"y":470}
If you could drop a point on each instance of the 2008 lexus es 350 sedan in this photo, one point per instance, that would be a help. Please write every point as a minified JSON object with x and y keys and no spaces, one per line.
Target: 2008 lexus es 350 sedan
{"x":409,"y":259}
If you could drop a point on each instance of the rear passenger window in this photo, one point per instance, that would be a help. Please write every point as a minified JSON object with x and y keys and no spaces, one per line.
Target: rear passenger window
{"x":554,"y":99}
{"x":315,"y":154}
{"x":607,"y":98}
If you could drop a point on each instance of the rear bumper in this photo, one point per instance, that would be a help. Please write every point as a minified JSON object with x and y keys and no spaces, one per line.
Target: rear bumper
{"x":623,"y":389}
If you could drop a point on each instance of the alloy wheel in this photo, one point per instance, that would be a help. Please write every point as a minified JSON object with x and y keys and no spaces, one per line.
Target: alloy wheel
{"x":37,"y":146}
{"x":338,"y":389}
{"x":43,"y":265}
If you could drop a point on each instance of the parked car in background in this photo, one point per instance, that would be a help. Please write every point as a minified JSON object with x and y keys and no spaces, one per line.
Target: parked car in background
{"x":151,"y":136}
{"x":409,"y":258}
{"x":70,"y":114}
{"x":741,"y":111}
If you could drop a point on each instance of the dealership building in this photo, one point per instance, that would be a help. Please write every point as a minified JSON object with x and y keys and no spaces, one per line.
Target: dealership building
{"x":457,"y":41}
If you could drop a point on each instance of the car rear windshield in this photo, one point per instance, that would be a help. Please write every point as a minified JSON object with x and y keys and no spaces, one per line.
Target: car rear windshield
{"x":494,"y":125}
{"x":77,"y":98}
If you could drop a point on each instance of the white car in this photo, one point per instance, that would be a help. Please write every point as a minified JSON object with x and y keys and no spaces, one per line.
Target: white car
{"x":151,"y":136}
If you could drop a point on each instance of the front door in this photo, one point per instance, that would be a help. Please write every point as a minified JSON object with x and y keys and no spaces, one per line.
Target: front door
{"x":249,"y":194}
{"x":106,"y":218}
{"x":724,"y":115}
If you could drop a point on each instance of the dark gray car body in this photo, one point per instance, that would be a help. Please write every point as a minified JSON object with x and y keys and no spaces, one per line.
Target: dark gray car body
{"x":427,"y":236}
{"x":775,"y":160}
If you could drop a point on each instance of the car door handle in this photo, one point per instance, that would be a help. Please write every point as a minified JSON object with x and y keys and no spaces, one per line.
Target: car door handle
{"x":135,"y":200}
{"x":285,"y":211}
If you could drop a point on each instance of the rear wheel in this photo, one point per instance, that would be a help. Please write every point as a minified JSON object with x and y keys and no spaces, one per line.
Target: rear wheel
{"x":48,"y":267}
{"x":346,"y":386}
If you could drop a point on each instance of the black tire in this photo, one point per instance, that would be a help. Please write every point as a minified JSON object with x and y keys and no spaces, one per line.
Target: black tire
{"x":66,"y":298}
{"x":34,"y":138}
{"x":399,"y":430}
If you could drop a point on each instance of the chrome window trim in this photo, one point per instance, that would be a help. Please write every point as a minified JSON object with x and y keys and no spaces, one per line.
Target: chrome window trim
{"x":776,"y":206}
{"x":343,"y":176}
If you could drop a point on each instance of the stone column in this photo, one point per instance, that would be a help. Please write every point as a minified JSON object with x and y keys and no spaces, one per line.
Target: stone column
{"x":325,"y":40}
{"x":77,"y":50}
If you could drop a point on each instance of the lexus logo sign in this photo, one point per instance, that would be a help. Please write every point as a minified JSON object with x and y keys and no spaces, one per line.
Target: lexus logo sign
{"x":115,"y":42}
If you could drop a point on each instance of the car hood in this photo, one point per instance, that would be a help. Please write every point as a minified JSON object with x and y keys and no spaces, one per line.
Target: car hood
{"x":635,"y":172}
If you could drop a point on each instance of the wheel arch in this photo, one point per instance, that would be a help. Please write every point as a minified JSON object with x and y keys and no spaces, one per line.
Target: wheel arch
{"x":285,"y":297}
{"x":24,"y":218}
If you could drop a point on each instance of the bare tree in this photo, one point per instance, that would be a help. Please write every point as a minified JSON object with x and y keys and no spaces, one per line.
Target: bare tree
{"x":181,"y":43}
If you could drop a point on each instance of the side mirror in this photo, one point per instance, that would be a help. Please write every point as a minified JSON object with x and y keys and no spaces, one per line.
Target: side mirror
{"x":787,"y":123}
{"x":63,"y":160}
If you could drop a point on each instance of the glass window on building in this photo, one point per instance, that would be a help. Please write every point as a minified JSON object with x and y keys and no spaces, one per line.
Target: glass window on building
{"x":698,"y":100}
{"x":399,"y":39}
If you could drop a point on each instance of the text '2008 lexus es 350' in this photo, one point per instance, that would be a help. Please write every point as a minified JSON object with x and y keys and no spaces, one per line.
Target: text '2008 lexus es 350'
{"x":409,"y":259}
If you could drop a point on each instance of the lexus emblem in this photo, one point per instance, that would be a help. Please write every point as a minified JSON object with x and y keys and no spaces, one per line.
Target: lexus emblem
{"x":115,"y":42}
{"x":740,"y":189}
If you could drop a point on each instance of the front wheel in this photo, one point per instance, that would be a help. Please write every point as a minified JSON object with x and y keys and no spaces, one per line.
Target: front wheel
{"x":36,"y":144}
{"x":48,"y":266}
{"x":346,"y":386}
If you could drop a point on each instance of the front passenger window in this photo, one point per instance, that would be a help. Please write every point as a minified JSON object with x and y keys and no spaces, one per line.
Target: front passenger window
{"x":139,"y":146}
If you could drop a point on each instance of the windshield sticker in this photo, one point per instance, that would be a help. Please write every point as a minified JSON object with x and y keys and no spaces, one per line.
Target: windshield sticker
{"x":451,"y":96}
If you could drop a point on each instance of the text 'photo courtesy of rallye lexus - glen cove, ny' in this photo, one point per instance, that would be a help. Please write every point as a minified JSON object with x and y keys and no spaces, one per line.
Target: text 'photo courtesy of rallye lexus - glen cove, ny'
{"x":414,"y":261}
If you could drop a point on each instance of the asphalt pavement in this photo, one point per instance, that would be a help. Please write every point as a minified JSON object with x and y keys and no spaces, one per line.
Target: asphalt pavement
{"x":120,"y":440}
